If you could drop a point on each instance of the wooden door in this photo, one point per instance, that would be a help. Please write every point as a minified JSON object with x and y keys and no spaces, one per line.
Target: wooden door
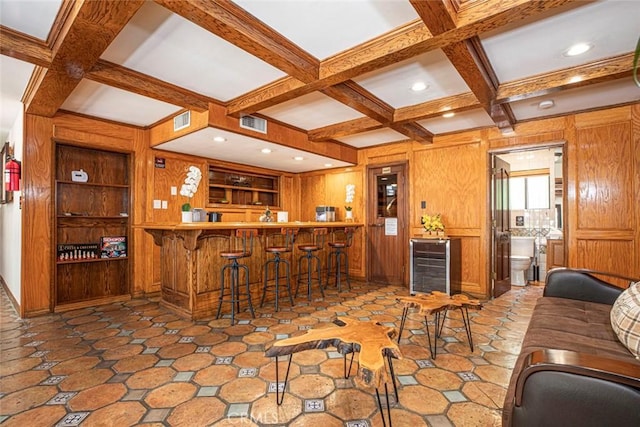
{"x":500,"y":225}
{"x":388,"y":240}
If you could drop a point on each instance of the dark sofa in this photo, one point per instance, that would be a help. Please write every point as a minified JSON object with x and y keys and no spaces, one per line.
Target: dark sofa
{"x":572,"y":369}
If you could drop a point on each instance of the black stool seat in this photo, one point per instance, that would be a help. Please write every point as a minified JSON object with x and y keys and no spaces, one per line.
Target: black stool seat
{"x":245,"y":236}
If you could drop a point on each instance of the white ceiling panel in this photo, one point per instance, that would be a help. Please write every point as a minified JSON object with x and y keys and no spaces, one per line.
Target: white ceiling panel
{"x":246,"y":150}
{"x":106,"y":102}
{"x":461,"y":121}
{"x":312,"y":111}
{"x":164,"y":45}
{"x":373,"y":137}
{"x":594,"y":96}
{"x":393,"y":84}
{"x":326,"y":27}
{"x":610,"y":26}
{"x":33,"y":17}
{"x":14,"y":76}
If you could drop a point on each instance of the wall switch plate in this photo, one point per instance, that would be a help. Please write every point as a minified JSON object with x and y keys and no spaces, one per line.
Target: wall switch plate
{"x":423,"y":205}
{"x":174,"y":191}
{"x":157,"y":204}
{"x":164,"y":204}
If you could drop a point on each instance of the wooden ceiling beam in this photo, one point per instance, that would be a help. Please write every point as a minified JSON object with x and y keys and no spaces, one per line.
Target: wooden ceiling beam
{"x":425,"y":110}
{"x":543,"y":84}
{"x":123,"y":78}
{"x":415,"y":38}
{"x":277,"y":92}
{"x":436,"y":15}
{"x":474,"y":71}
{"x":24,"y":47}
{"x":414,"y":131}
{"x":232,"y":23}
{"x":347,"y":128}
{"x":468,"y":58}
{"x":358,"y":98}
{"x":401,"y":116}
{"x":403,"y":43}
{"x":471,"y":62}
{"x":97,"y":21}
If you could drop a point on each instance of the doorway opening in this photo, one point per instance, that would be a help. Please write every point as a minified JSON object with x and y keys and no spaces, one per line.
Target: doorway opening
{"x":527,"y":214}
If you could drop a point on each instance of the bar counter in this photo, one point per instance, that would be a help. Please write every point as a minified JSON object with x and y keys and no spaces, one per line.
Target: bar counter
{"x":190,"y":260}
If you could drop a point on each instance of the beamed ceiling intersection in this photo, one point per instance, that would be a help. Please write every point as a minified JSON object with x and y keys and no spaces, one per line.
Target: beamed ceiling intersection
{"x":452,"y":26}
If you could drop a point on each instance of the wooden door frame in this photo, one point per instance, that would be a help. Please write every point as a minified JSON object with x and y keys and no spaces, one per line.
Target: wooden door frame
{"x":516,"y":148}
{"x":405,"y":210}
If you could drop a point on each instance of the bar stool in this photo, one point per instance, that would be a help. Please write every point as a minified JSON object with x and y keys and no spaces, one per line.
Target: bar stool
{"x":285,"y":240}
{"x":337,"y":252}
{"x":309,"y":249}
{"x":233,"y":256}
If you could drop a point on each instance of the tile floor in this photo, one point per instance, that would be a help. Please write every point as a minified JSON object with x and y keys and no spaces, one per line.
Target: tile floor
{"x":136,"y":363}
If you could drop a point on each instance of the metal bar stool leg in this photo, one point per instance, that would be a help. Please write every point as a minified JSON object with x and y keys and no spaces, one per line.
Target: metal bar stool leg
{"x":319,"y":268}
{"x":287,"y":267}
{"x":246,"y":270}
{"x":346,"y":268}
{"x":221,"y":291}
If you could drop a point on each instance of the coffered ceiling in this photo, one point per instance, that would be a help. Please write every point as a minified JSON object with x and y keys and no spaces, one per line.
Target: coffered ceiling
{"x":340,"y":72}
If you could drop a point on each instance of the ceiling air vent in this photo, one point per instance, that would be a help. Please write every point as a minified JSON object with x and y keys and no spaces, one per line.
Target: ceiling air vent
{"x":253,"y":123}
{"x":182,"y":121}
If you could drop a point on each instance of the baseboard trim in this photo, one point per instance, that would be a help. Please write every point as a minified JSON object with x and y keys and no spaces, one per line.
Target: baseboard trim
{"x":13,"y":301}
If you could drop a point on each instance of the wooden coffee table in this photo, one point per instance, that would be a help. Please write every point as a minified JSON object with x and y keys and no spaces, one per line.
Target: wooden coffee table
{"x":436,"y":303}
{"x":372,"y":340}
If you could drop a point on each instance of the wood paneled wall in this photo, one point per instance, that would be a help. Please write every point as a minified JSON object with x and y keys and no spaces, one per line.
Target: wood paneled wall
{"x":328,"y":188}
{"x":604,"y":221}
{"x":451,"y":175}
{"x":37,"y":221}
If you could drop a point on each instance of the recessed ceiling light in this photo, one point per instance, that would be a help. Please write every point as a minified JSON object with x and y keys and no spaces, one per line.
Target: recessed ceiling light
{"x":448,"y":115}
{"x":328,"y":165}
{"x":298,"y":158}
{"x":265,"y":150}
{"x":578,"y":49}
{"x":543,"y":105}
{"x":419,"y":86}
{"x":219,"y":138}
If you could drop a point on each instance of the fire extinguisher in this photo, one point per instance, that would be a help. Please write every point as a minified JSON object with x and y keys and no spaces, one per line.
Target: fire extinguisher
{"x":12,"y":175}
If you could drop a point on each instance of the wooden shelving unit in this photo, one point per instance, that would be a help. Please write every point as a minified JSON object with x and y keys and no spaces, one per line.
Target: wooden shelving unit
{"x":84,"y":213}
{"x":229,"y":187}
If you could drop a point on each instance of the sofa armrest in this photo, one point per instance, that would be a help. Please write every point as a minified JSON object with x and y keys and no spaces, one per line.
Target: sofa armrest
{"x":581,"y":285}
{"x":612,"y":370}
{"x":559,"y":388}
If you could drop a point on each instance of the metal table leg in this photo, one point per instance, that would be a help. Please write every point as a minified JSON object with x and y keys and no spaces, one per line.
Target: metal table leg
{"x":279,"y":398}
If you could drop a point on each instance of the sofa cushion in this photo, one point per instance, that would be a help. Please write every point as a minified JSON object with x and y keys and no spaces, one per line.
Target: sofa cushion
{"x":579,"y":326}
{"x":625,"y":318}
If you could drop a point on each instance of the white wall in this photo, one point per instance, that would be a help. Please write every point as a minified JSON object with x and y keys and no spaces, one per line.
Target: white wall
{"x":11,"y":223}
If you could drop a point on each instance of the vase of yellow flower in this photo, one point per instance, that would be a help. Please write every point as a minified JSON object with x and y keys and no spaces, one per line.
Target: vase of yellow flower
{"x":433,"y":225}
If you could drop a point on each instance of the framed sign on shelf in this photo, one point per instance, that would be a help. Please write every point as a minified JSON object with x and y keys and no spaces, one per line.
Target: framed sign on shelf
{"x":5,"y":196}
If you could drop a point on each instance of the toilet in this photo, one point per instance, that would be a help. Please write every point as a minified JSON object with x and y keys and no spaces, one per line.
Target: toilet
{"x":522,"y":248}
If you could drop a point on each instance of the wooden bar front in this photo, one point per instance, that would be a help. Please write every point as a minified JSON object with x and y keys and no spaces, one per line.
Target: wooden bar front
{"x":191,"y":264}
